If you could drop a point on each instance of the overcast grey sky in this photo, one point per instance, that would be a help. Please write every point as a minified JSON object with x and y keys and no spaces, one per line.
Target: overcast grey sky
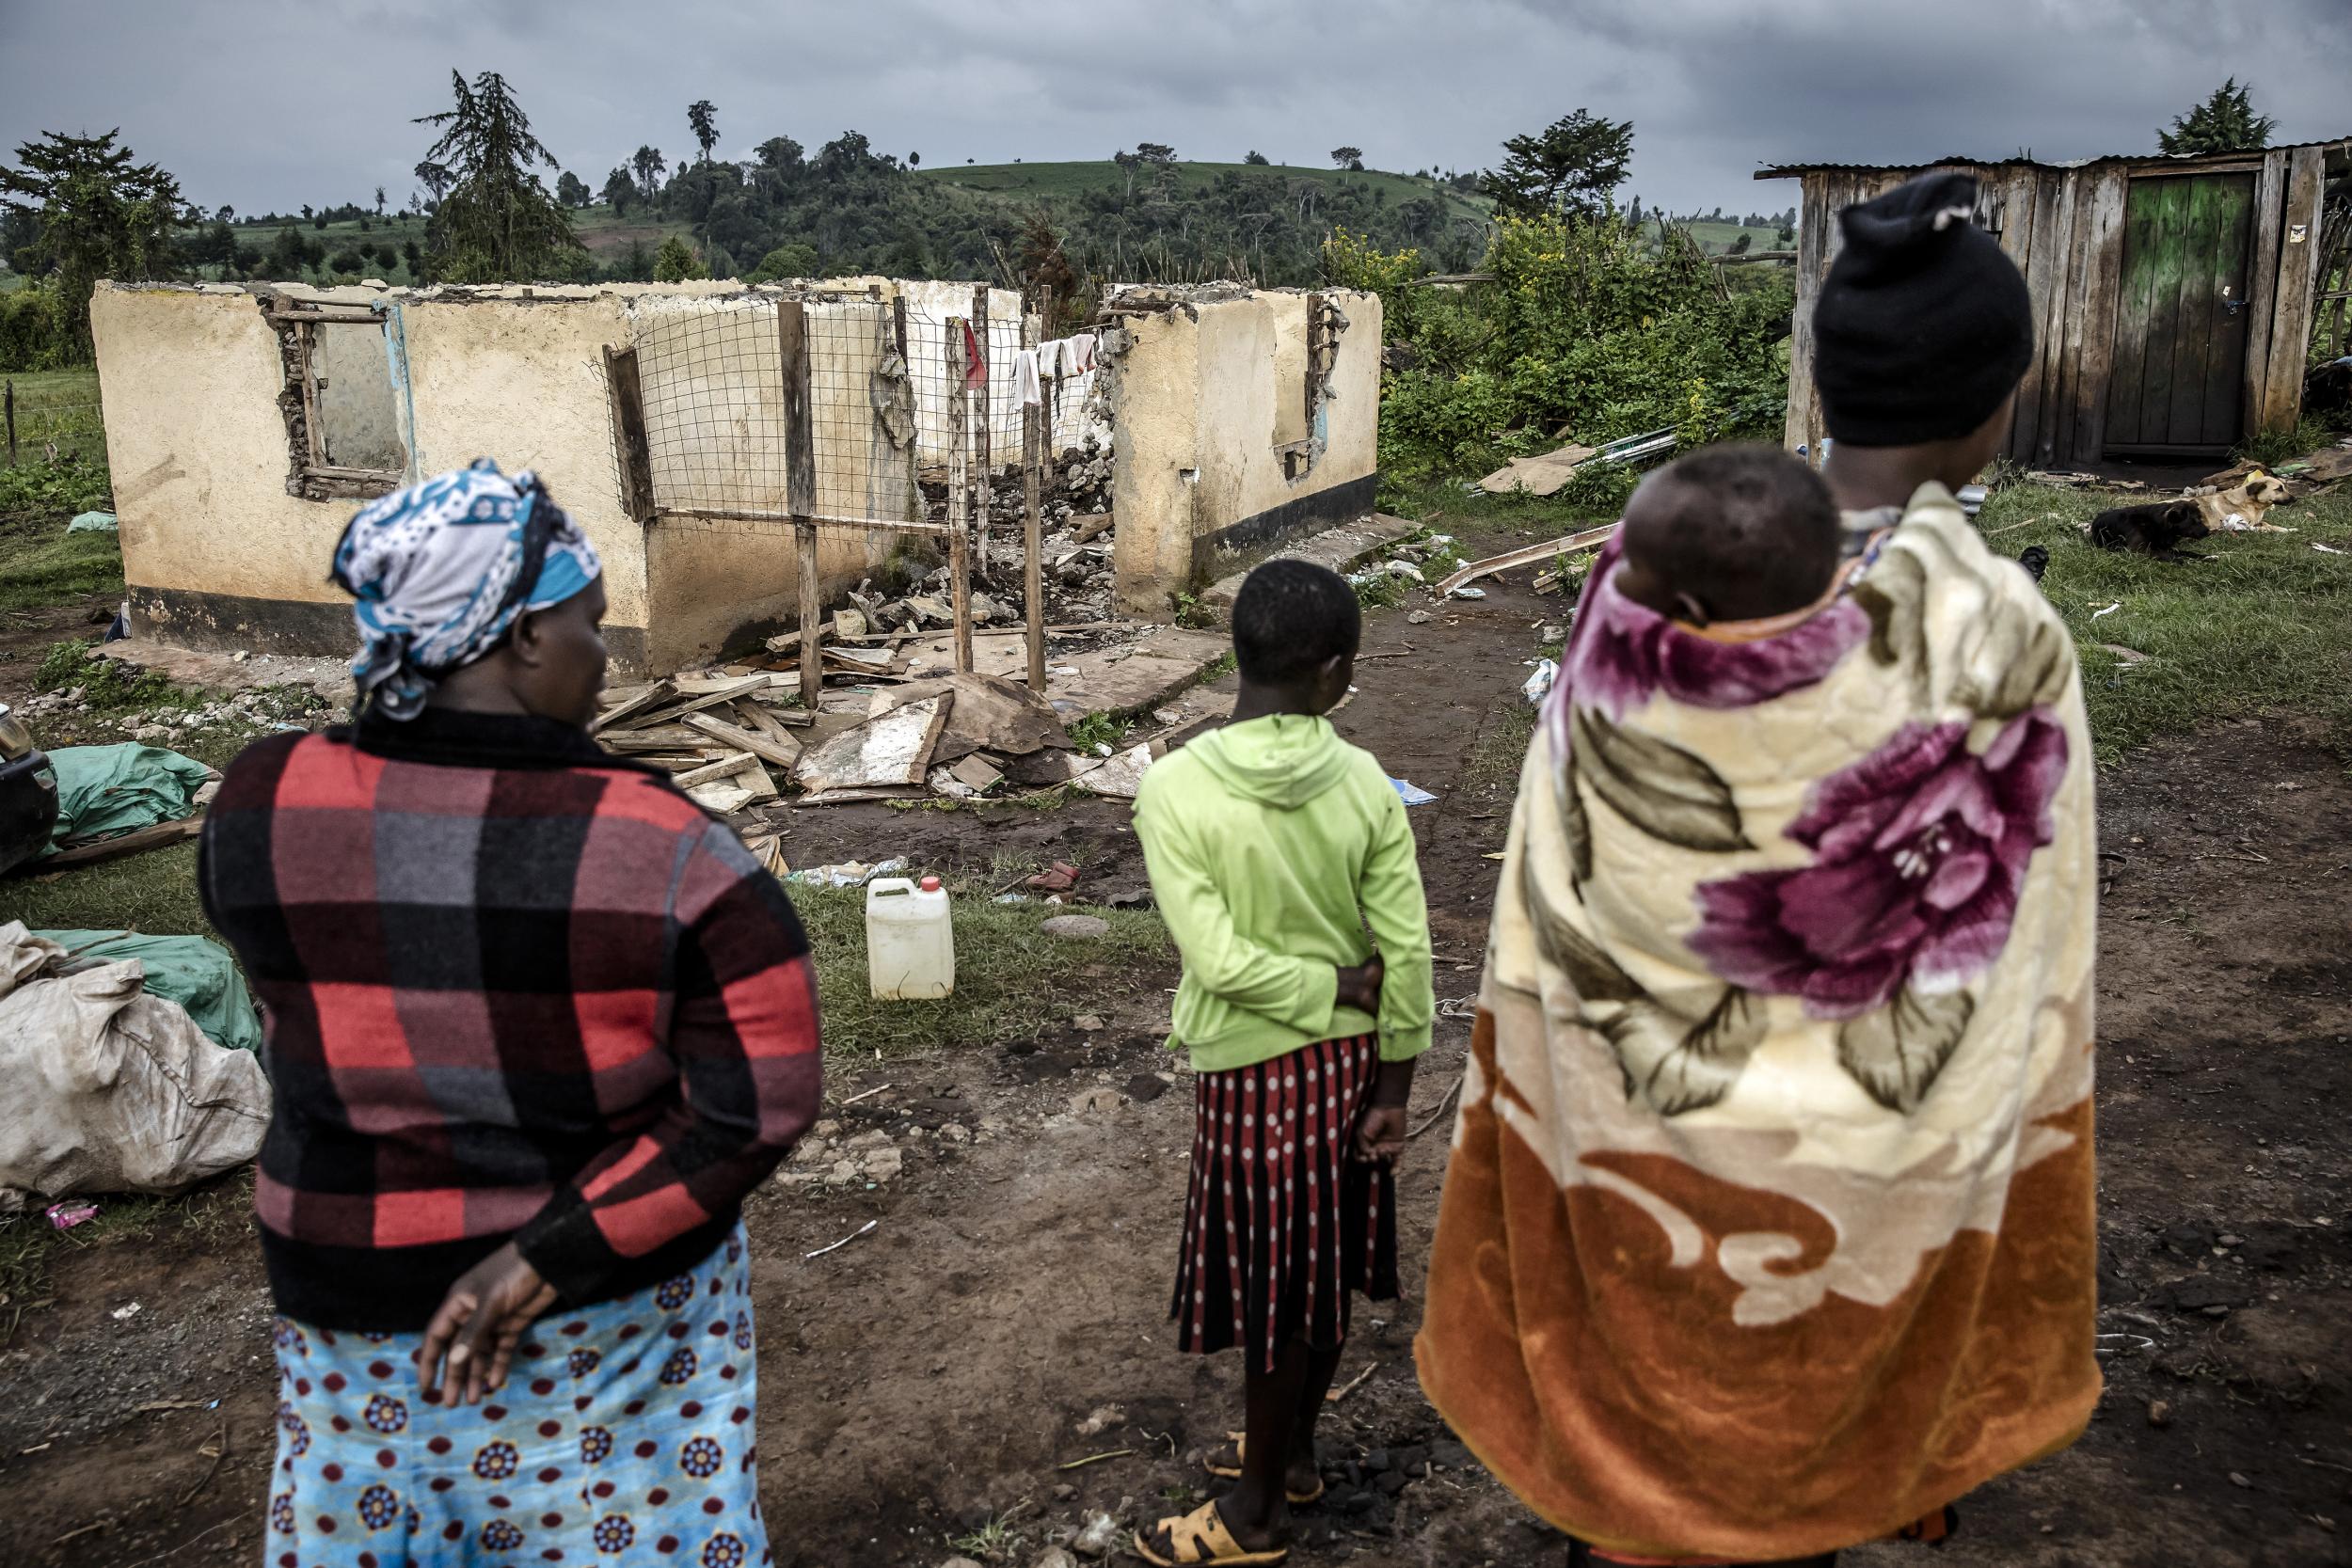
{"x":270,"y":103}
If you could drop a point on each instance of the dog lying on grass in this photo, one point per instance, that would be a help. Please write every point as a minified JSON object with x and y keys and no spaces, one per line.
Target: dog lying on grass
{"x":2155,"y":529}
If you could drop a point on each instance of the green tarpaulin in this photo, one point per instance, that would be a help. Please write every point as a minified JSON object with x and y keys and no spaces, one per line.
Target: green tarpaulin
{"x":195,"y":972}
{"x":105,"y":790}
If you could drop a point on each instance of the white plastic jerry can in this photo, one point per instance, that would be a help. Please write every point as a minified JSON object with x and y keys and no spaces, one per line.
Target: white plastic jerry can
{"x":910,"y":943}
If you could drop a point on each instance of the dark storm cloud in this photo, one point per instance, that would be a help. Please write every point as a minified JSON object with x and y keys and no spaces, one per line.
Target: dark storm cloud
{"x":274,"y":103}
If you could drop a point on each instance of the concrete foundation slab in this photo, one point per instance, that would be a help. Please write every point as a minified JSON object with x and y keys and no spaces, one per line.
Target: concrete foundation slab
{"x":1339,"y":548}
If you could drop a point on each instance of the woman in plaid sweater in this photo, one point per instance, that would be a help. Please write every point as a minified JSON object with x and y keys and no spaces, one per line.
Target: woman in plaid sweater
{"x":537,"y":1025}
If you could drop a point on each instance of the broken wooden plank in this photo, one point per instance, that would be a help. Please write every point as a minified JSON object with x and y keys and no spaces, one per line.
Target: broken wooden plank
{"x":726,"y":768}
{"x":758,"y":718}
{"x":650,"y":697}
{"x":139,"y":841}
{"x":725,"y":693}
{"x":1590,"y":539}
{"x":891,"y":751}
{"x":785,"y":755}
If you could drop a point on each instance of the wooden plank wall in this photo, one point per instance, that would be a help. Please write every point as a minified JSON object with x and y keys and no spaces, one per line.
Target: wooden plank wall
{"x":2291,"y":295}
{"x":1825,"y":193}
{"x":2065,"y":228}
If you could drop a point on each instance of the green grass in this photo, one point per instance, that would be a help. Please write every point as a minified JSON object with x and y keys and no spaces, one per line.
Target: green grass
{"x":56,"y":567}
{"x":1716,"y":238}
{"x":154,"y":893}
{"x":2262,"y":627}
{"x":1098,"y":729}
{"x":60,"y":410}
{"x":1011,"y":980}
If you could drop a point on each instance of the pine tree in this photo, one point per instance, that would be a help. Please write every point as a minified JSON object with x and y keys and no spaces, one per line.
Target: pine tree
{"x":2225,"y":122}
{"x":497,"y":224}
{"x":94,"y":214}
{"x":1573,"y":167}
{"x":676,"y":261}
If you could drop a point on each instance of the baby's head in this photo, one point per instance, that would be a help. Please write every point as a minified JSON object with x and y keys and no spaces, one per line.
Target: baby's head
{"x":1734,"y":532}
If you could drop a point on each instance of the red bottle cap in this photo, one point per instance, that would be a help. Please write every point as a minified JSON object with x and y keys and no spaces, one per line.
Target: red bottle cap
{"x":930,"y":884}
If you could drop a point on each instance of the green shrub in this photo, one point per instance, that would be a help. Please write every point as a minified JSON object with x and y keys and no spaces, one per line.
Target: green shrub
{"x":35,"y":333}
{"x":69,"y":485}
{"x":2269,"y":447}
{"x":1587,"y":330}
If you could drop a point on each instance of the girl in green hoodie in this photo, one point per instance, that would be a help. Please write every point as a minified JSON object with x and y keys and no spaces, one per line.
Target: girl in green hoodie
{"x":1273,"y":844}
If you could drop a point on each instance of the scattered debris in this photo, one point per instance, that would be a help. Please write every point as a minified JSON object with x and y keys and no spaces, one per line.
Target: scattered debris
{"x":2123,"y":655}
{"x":1412,"y":794}
{"x":1096,"y":1459}
{"x":1101,"y":1537}
{"x":1077,"y":927}
{"x":861,"y":1230}
{"x":1545,"y":474}
{"x":124,"y":1314}
{"x":2328,"y":549}
{"x":1456,"y":585}
{"x":1120,"y":777}
{"x":1061,"y":877}
{"x":848,"y":873}
{"x":1102,"y":1418}
{"x":65,"y":1216}
{"x":2108,"y":610}
{"x":1538,"y":684}
{"x":1335,"y":1395}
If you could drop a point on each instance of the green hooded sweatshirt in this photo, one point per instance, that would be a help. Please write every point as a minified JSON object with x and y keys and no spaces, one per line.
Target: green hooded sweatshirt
{"x":1273,"y":844}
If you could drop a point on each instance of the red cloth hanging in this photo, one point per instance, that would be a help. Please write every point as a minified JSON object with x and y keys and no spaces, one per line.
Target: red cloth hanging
{"x":975,"y":362}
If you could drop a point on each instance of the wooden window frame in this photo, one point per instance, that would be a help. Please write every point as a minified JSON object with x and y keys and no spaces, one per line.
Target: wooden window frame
{"x":309,"y":474}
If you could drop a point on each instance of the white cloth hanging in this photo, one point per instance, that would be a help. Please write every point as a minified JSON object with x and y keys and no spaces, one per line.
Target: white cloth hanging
{"x":1024,"y":377}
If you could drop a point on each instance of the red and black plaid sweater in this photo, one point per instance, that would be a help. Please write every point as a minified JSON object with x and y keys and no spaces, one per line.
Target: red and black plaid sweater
{"x":515,"y":988}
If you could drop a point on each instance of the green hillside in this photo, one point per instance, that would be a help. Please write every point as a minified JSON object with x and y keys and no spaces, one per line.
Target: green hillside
{"x":1072,"y":180}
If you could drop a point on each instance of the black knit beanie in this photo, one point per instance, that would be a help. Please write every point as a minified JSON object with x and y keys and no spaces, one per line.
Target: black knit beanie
{"x":1923,"y":327}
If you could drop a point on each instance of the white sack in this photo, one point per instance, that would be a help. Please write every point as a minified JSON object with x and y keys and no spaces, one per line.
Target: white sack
{"x":106,"y":1089}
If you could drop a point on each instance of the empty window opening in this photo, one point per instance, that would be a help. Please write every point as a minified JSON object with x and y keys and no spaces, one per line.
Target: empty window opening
{"x":341,"y":401}
{"x":1305,"y":348}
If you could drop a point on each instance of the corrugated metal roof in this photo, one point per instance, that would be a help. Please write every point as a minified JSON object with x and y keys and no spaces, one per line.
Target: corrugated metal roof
{"x":1790,"y":171}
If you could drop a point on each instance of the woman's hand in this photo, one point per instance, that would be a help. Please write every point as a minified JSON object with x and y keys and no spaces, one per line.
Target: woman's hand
{"x":1380,"y":1131}
{"x":472,"y":1336}
{"x":1359,"y":986}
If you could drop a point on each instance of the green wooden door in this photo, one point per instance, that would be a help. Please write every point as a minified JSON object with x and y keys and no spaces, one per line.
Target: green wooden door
{"x":2179,"y":383}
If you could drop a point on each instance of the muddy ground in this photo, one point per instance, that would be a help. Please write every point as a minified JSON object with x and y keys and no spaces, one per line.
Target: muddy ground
{"x":938,"y":1373}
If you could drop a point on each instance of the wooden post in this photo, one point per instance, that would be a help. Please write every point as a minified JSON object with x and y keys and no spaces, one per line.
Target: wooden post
{"x":959,"y":503}
{"x":632,"y":457}
{"x":914,"y":508}
{"x":985,"y":533}
{"x":11,"y":404}
{"x":800,"y":490}
{"x":1033,"y":438}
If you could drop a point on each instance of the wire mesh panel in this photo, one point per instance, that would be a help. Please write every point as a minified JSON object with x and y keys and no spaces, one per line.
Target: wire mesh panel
{"x":861,"y":407}
{"x":712,"y":384}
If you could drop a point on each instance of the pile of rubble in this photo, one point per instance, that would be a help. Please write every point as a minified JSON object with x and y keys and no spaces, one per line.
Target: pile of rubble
{"x":737,"y":738}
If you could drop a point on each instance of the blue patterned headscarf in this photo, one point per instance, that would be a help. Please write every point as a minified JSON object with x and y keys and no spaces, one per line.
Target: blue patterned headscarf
{"x":443,"y":568}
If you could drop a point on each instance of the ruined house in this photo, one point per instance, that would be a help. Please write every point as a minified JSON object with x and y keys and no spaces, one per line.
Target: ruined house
{"x":245,"y":423}
{"x":2173,"y":297}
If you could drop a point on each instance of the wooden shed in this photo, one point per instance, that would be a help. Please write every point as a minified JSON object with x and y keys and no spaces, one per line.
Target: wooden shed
{"x":2174,"y":296}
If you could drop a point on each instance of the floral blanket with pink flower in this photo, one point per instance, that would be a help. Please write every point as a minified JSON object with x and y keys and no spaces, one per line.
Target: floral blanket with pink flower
{"x":1769,"y":1227}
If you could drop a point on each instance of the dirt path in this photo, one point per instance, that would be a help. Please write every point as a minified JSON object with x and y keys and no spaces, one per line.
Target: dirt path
{"x":931,"y":1376}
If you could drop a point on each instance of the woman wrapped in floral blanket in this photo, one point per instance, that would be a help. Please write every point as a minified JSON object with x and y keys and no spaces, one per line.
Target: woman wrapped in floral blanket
{"x":1769,"y":1228}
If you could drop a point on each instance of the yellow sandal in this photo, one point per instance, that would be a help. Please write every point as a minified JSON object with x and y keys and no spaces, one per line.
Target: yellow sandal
{"x":1232,"y":1472}
{"x":1200,"y":1537}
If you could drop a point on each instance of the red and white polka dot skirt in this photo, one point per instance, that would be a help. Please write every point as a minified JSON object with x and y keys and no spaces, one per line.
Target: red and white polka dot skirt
{"x":1282,"y":1221}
